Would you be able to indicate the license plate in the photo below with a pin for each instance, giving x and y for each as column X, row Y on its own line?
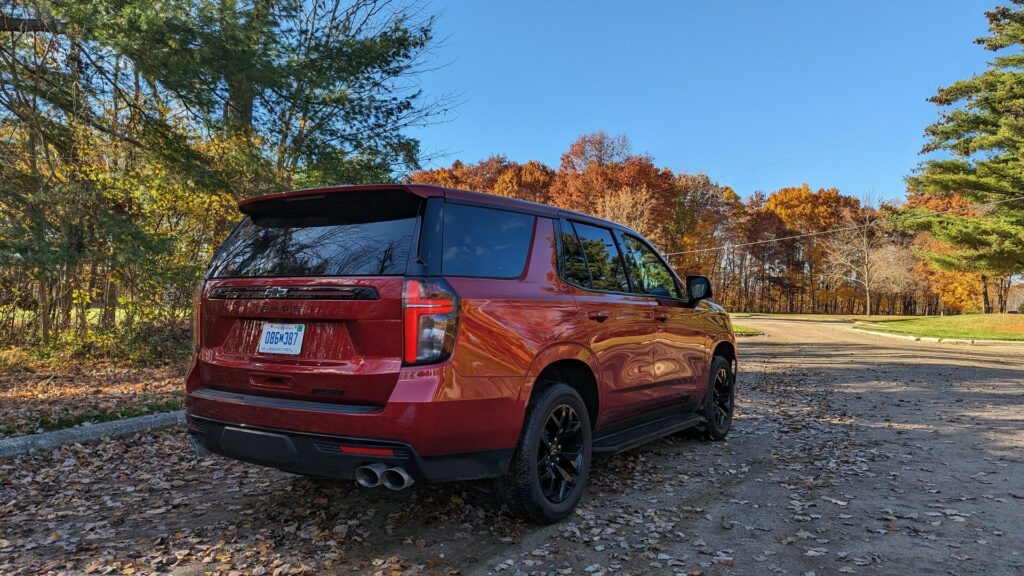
column 281, row 338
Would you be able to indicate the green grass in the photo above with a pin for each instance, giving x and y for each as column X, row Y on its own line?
column 967, row 326
column 835, row 317
column 741, row 330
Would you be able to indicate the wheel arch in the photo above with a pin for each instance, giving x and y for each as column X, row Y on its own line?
column 725, row 349
column 571, row 364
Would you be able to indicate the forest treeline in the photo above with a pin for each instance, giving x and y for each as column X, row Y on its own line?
column 793, row 250
column 129, row 129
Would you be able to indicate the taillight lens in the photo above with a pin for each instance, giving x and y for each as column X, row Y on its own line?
column 431, row 317
column 197, row 309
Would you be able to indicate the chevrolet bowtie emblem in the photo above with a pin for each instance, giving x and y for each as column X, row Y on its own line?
column 276, row 292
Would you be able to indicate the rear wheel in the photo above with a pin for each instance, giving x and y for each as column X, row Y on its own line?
column 719, row 400
column 551, row 465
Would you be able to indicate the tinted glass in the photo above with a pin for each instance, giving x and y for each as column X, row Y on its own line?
column 485, row 242
column 337, row 236
column 649, row 273
column 574, row 267
column 603, row 262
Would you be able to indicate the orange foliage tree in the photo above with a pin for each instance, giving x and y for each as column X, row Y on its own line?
column 706, row 228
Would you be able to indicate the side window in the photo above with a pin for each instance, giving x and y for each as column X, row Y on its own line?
column 648, row 270
column 485, row 242
column 574, row 267
column 603, row 261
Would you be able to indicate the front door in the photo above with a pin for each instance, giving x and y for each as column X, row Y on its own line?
column 678, row 350
column 619, row 323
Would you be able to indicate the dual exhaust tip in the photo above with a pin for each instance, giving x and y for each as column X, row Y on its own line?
column 392, row 477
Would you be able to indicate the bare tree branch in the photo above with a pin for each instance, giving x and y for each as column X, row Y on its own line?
column 14, row 24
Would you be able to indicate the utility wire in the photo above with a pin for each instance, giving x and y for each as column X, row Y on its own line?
column 794, row 237
column 768, row 241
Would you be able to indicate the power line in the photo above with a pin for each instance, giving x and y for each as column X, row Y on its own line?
column 797, row 236
column 769, row 240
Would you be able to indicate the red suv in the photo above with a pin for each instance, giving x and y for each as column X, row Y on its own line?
column 392, row 334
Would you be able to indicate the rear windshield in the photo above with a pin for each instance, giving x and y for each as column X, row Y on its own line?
column 339, row 234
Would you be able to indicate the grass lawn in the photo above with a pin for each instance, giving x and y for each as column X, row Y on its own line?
column 836, row 317
column 967, row 326
column 740, row 330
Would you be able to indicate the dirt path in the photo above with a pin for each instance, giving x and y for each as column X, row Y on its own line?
column 851, row 453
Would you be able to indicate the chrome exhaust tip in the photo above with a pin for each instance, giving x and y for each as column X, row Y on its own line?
column 396, row 478
column 369, row 476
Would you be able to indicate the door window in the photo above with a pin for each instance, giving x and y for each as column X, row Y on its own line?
column 574, row 266
column 601, row 255
column 650, row 275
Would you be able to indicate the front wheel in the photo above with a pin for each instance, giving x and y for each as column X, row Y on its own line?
column 551, row 465
column 720, row 399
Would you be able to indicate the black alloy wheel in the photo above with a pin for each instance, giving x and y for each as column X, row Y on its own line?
column 560, row 453
column 551, row 464
column 720, row 399
column 723, row 398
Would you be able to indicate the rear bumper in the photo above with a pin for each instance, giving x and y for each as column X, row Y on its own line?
column 323, row 456
column 442, row 425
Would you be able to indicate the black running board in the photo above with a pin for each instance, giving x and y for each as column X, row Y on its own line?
column 622, row 440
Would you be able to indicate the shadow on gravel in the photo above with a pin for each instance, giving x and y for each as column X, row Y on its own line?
column 149, row 503
column 965, row 395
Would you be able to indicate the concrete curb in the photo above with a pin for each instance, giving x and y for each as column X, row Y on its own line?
column 11, row 447
column 939, row 340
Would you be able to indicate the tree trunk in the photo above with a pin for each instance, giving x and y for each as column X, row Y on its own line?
column 986, row 305
column 1002, row 293
column 43, row 310
column 109, row 319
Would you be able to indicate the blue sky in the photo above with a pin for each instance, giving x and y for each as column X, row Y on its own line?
column 757, row 94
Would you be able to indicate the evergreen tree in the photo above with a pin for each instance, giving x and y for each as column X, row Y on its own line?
column 981, row 132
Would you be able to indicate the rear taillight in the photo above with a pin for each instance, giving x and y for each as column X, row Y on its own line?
column 431, row 317
column 197, row 310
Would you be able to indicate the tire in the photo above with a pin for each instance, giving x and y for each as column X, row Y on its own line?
column 720, row 399
column 540, row 486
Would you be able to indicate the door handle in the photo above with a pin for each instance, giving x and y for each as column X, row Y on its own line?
column 598, row 315
column 659, row 316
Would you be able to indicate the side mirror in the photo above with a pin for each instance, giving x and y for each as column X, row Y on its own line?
column 698, row 288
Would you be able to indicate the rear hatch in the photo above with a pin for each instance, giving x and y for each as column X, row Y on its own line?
column 304, row 299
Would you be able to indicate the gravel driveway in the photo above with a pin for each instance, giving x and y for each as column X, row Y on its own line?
column 851, row 453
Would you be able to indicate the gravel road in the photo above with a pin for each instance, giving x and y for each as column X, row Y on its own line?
column 851, row 453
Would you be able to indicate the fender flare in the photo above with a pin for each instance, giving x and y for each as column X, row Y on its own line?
column 554, row 353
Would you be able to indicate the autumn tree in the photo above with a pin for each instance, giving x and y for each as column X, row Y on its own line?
column 778, row 253
column 854, row 254
column 530, row 181
column 808, row 212
column 894, row 275
column 598, row 164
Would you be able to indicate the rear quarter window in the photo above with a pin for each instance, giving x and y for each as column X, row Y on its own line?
column 485, row 242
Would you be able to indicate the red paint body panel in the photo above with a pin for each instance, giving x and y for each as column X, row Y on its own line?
column 509, row 330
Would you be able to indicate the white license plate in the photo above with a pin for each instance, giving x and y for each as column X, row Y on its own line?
column 281, row 338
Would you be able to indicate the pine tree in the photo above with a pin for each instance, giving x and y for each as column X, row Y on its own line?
column 981, row 129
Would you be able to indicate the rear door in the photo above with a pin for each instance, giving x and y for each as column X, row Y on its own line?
column 618, row 322
column 678, row 350
column 304, row 300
